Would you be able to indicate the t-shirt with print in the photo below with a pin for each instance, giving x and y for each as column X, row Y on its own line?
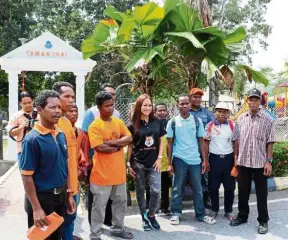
column 65, row 126
column 146, row 141
column 220, row 137
column 108, row 168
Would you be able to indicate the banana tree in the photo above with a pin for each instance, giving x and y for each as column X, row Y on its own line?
column 158, row 43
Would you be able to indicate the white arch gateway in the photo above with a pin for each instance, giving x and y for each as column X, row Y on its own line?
column 44, row 53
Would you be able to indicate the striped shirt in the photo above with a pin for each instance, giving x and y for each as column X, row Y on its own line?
column 253, row 134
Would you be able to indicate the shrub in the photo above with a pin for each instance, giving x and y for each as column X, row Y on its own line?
column 280, row 159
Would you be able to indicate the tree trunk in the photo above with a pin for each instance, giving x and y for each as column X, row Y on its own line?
column 213, row 92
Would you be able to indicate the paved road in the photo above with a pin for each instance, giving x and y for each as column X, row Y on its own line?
column 13, row 220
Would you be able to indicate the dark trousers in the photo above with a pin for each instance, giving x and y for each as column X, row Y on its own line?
column 166, row 183
column 220, row 173
column 108, row 211
column 50, row 203
column 245, row 176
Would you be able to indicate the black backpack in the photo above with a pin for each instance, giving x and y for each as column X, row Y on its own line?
column 174, row 126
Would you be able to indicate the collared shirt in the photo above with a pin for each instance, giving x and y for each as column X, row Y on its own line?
column 204, row 114
column 44, row 156
column 17, row 119
column 253, row 134
column 146, row 141
column 65, row 126
column 220, row 137
column 108, row 168
column 185, row 144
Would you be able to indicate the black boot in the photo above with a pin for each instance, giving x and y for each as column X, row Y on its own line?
column 207, row 200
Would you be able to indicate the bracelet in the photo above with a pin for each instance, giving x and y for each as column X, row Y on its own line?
column 128, row 164
column 160, row 157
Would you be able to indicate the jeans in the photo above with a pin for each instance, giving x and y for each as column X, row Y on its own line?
column 166, row 183
column 153, row 179
column 245, row 176
column 68, row 225
column 181, row 169
column 50, row 203
column 220, row 172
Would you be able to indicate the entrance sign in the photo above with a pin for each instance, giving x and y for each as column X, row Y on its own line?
column 44, row 53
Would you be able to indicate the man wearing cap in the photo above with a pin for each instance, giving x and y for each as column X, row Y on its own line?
column 206, row 116
column 254, row 136
column 218, row 137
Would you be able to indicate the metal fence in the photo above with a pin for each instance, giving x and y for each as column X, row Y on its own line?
column 280, row 115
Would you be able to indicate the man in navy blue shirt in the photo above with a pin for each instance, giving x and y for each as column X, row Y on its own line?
column 206, row 116
column 43, row 165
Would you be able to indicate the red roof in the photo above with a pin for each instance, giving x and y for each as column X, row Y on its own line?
column 284, row 84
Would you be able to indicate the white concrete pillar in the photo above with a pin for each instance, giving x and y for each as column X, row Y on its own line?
column 11, row 152
column 80, row 95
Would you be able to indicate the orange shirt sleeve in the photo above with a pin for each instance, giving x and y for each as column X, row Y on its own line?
column 124, row 130
column 95, row 136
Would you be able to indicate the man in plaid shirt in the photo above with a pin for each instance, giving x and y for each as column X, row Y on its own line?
column 254, row 137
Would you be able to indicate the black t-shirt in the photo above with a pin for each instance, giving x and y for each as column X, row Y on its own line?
column 146, row 141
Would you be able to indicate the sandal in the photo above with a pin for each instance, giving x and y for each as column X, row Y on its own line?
column 213, row 214
column 230, row 216
column 209, row 220
column 123, row 234
column 175, row 220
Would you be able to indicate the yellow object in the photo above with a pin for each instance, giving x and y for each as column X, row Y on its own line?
column 164, row 157
column 241, row 111
column 65, row 126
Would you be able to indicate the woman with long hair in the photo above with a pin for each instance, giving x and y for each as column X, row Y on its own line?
column 145, row 155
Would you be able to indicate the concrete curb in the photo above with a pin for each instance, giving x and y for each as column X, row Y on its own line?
column 8, row 173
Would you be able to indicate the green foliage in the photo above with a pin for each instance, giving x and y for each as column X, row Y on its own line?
column 154, row 40
column 72, row 21
column 250, row 14
column 280, row 159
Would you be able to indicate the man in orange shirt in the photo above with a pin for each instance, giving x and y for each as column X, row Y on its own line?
column 108, row 135
column 67, row 98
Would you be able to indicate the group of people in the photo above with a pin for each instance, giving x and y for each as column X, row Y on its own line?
column 196, row 147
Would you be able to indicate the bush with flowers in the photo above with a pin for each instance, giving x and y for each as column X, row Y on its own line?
column 280, row 159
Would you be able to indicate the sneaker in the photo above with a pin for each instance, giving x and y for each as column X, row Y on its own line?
column 263, row 228
column 152, row 221
column 175, row 220
column 145, row 225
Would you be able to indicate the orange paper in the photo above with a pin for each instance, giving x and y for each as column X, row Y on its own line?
column 41, row 233
column 234, row 172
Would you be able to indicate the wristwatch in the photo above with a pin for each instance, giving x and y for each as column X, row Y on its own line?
column 269, row 159
column 128, row 164
column 69, row 190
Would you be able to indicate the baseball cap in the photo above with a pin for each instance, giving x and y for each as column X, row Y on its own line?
column 254, row 93
column 222, row 105
column 196, row 91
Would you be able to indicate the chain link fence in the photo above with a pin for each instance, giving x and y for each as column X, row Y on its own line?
column 279, row 115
